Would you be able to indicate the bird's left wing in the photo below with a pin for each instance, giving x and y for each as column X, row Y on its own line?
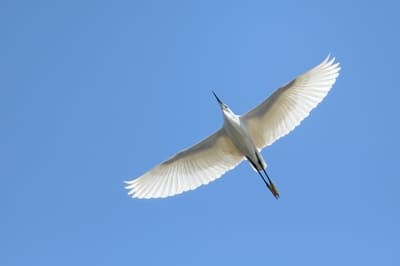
column 290, row 104
column 189, row 169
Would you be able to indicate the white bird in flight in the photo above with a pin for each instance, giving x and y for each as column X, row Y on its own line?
column 241, row 137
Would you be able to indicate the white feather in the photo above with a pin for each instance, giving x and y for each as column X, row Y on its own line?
column 189, row 169
column 290, row 104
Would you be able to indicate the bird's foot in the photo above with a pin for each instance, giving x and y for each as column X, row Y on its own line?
column 273, row 190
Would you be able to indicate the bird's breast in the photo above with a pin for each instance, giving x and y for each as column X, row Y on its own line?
column 240, row 137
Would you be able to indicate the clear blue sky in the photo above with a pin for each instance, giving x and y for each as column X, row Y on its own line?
column 97, row 92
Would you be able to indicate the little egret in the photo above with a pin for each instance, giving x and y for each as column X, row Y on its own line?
column 241, row 137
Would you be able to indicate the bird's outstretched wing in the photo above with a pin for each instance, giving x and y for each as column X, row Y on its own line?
column 290, row 104
column 189, row 169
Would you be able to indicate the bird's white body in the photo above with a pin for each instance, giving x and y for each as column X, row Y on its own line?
column 237, row 131
column 241, row 137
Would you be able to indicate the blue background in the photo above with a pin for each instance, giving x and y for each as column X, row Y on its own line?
column 95, row 92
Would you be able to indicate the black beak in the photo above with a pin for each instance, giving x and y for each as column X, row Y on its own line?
column 220, row 102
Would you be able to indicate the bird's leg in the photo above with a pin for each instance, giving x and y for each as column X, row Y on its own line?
column 271, row 186
column 266, row 183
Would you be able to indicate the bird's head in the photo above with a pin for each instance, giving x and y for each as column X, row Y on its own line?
column 223, row 106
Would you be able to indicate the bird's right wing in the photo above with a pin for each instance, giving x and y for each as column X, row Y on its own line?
column 189, row 169
column 290, row 104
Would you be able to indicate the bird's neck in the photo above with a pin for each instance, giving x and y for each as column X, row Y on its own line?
column 231, row 117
